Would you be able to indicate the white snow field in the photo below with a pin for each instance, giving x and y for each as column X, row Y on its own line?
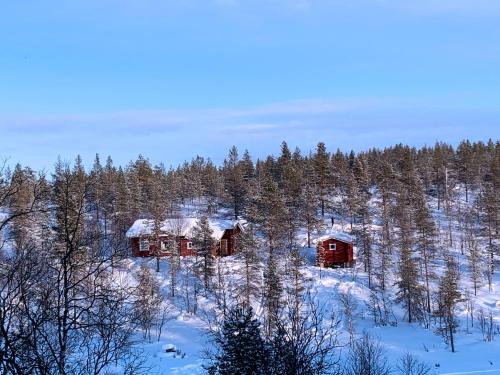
column 473, row 355
column 187, row 333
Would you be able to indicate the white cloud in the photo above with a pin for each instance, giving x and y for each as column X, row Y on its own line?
column 172, row 136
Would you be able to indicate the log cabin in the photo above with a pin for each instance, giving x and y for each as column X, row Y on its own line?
column 335, row 250
column 165, row 245
column 227, row 244
column 175, row 238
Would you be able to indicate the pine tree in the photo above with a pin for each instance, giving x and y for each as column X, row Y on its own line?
column 203, row 241
column 96, row 203
column 362, row 211
column 273, row 293
column 447, row 299
column 157, row 206
column 352, row 197
column 70, row 192
column 322, row 174
column 124, row 214
column 283, row 166
column 425, row 239
column 269, row 213
column 308, row 211
column 465, row 166
column 385, row 181
column 295, row 280
column 339, row 168
column 234, row 182
column 247, row 166
column 22, row 196
column 410, row 292
column 475, row 269
column 240, row 346
column 489, row 201
column 176, row 227
column 212, row 187
column 250, row 273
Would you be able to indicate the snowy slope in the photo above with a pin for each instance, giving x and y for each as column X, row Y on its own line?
column 473, row 356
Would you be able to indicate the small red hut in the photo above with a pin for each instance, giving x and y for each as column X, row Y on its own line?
column 228, row 240
column 335, row 251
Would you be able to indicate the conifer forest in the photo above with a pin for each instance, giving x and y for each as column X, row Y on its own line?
column 420, row 294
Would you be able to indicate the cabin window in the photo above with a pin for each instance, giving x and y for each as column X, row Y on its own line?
column 167, row 245
column 189, row 245
column 143, row 244
column 333, row 246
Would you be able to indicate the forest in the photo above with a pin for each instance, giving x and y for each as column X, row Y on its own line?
column 425, row 224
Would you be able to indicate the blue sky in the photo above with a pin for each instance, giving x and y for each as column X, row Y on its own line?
column 172, row 79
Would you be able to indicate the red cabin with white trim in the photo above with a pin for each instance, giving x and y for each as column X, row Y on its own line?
column 175, row 237
column 147, row 245
column 335, row 251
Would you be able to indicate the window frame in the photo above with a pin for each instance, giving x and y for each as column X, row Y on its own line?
column 334, row 245
column 189, row 245
column 142, row 247
column 170, row 247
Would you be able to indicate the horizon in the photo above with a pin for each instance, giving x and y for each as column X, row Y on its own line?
column 88, row 163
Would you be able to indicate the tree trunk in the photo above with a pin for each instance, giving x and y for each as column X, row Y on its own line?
column 452, row 340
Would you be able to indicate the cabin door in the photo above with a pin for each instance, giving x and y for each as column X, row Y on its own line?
column 223, row 247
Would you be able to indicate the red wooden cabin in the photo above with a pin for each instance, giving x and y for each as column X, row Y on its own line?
column 146, row 246
column 227, row 244
column 334, row 251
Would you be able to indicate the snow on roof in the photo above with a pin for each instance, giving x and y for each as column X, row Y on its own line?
column 242, row 223
column 341, row 236
column 183, row 226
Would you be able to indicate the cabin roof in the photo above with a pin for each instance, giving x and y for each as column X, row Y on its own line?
column 183, row 226
column 339, row 236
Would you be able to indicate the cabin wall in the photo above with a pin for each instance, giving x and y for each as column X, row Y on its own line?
column 182, row 243
column 185, row 251
column 343, row 255
column 134, row 244
column 229, row 235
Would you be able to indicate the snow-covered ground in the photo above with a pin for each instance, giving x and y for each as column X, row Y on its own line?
column 187, row 333
column 473, row 355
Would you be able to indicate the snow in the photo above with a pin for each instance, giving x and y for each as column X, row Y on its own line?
column 184, row 335
column 334, row 234
column 187, row 333
column 184, row 226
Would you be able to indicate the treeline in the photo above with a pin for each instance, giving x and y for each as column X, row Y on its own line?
column 62, row 311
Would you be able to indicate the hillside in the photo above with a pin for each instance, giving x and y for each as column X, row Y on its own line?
column 127, row 270
column 474, row 355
